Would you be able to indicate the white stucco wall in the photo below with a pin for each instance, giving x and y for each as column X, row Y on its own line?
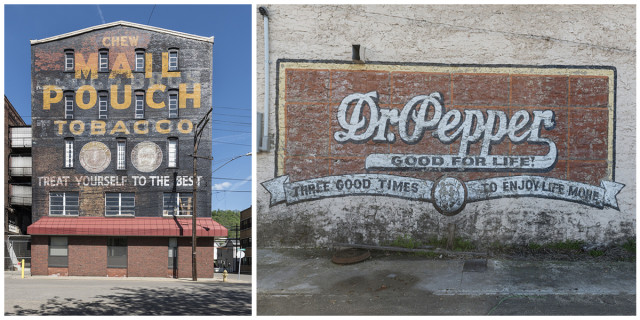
column 458, row 34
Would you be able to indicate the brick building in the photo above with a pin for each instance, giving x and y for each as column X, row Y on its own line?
column 115, row 108
column 245, row 239
column 17, row 185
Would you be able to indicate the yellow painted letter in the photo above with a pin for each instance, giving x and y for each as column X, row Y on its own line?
column 60, row 124
column 80, row 97
column 98, row 127
column 114, row 97
column 165, row 67
column 150, row 91
column 188, row 123
column 148, row 63
column 136, row 127
column 47, row 99
column 163, row 130
column 87, row 68
column 195, row 95
column 121, row 66
column 72, row 127
column 119, row 127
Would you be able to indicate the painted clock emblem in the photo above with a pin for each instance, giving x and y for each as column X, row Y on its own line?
column 146, row 156
column 95, row 156
column 449, row 196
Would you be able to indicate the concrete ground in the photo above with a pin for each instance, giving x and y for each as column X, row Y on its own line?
column 306, row 282
column 50, row 295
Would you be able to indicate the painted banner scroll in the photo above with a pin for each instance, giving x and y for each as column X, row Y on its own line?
column 445, row 134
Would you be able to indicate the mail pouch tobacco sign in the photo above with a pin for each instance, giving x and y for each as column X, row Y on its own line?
column 445, row 134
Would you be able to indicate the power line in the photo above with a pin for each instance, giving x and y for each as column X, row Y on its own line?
column 233, row 122
column 229, row 191
column 231, row 115
column 154, row 7
column 235, row 144
column 229, row 178
column 231, row 130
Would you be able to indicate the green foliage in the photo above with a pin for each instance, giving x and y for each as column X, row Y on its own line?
column 534, row 246
column 462, row 245
column 630, row 245
column 405, row 241
column 596, row 253
column 567, row 245
column 227, row 218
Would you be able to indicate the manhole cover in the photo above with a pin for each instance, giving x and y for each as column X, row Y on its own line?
column 351, row 255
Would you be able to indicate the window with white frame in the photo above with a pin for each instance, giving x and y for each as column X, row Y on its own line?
column 68, row 60
column 58, row 252
column 102, row 105
column 173, row 104
column 103, row 60
column 139, row 60
column 121, row 150
column 139, row 105
column 68, row 105
column 68, row 153
column 120, row 204
column 173, row 59
column 177, row 204
column 172, row 153
column 63, row 203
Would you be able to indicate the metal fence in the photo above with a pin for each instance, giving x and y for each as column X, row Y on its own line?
column 17, row 247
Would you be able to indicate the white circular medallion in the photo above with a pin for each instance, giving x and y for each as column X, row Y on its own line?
column 146, row 156
column 449, row 196
column 95, row 156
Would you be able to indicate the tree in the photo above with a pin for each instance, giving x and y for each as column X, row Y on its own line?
column 227, row 218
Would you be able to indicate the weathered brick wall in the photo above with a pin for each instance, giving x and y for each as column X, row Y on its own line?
column 50, row 127
column 39, row 255
column 594, row 115
column 148, row 257
column 88, row 256
column 204, row 258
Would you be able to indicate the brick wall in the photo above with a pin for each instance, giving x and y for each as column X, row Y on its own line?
column 88, row 256
column 39, row 255
column 204, row 258
column 148, row 257
column 312, row 98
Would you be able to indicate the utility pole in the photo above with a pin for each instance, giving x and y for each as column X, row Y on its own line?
column 196, row 140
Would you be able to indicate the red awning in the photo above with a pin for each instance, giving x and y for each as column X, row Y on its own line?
column 138, row 226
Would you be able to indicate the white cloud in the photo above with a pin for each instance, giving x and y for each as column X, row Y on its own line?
column 221, row 186
column 241, row 183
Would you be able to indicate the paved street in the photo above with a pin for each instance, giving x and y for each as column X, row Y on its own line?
column 42, row 295
column 306, row 282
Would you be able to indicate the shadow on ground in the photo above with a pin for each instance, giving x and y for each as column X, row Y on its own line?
column 199, row 299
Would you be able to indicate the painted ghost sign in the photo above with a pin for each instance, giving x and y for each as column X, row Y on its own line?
column 445, row 134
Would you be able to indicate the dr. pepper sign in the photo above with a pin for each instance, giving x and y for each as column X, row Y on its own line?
column 445, row 134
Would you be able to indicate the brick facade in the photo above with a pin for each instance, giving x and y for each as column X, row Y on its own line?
column 146, row 257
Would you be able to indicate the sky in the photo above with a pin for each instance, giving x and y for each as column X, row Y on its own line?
column 230, row 25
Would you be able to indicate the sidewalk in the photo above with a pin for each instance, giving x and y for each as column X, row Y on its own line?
column 217, row 277
column 413, row 285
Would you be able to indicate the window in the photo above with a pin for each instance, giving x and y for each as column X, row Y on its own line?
column 68, row 153
column 173, row 253
column 120, row 203
column 102, row 105
column 121, row 150
column 58, row 252
column 116, row 252
column 139, row 60
column 68, row 105
column 177, row 204
column 173, row 104
column 103, row 63
column 68, row 60
column 173, row 59
column 63, row 203
column 172, row 152
column 139, row 105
